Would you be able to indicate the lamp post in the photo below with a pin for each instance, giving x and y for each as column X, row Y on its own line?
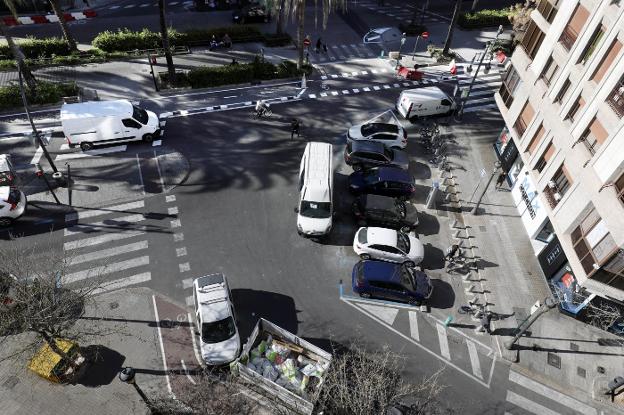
column 126, row 375
column 549, row 304
column 403, row 38
column 488, row 45
column 497, row 164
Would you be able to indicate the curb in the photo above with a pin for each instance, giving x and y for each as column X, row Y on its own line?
column 48, row 18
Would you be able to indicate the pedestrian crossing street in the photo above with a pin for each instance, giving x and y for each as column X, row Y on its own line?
column 144, row 4
column 342, row 52
column 108, row 247
column 404, row 12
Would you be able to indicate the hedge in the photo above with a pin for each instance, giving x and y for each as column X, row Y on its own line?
column 413, row 29
column 39, row 48
column 127, row 40
column 47, row 93
column 275, row 40
column 485, row 18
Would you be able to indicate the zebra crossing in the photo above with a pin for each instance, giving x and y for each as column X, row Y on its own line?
column 142, row 5
column 485, row 86
column 340, row 53
column 107, row 248
column 403, row 13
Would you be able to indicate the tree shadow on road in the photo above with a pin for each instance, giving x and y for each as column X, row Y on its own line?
column 104, row 365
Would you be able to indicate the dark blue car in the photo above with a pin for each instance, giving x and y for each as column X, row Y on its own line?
column 384, row 181
column 389, row 281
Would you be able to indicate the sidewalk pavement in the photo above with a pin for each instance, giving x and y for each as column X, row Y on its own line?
column 560, row 351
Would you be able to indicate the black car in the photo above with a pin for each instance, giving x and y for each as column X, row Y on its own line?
column 364, row 154
column 251, row 14
column 386, row 212
column 384, row 181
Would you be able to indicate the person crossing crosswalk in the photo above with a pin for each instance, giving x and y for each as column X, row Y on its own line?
column 342, row 52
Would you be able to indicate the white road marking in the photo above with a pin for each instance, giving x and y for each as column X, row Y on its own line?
column 396, row 85
column 184, row 267
column 113, row 7
column 177, row 237
column 551, row 393
column 106, row 269
column 37, row 156
column 181, row 252
column 170, row 198
column 356, row 91
column 129, row 6
column 480, row 108
column 91, row 153
column 312, row 96
column 145, row 5
column 376, row 88
column 162, row 182
column 443, row 339
column 387, row 314
column 176, row 223
column 474, row 359
column 184, row 366
column 345, row 92
column 118, row 222
column 162, row 347
column 106, row 253
column 413, row 323
column 70, row 217
column 334, row 93
column 189, row 301
column 172, row 210
column 96, row 240
column 323, row 94
column 173, row 3
column 140, row 175
column 124, row 282
column 366, row 89
column 386, row 86
column 529, row 405
column 187, row 283
column 157, row 143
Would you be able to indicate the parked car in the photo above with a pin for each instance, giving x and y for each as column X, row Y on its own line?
column 12, row 205
column 384, row 181
column 365, row 154
column 390, row 135
column 251, row 14
column 388, row 245
column 215, row 320
column 386, row 212
column 387, row 281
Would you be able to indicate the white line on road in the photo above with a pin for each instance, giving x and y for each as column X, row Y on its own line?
column 124, row 282
column 118, row 222
column 172, row 210
column 529, row 405
column 96, row 240
column 106, row 269
column 162, row 182
column 443, row 339
column 37, row 155
column 114, row 7
column 162, row 347
column 413, row 323
column 106, row 253
column 474, row 359
column 70, row 217
column 140, row 175
column 91, row 153
column 551, row 393
column 189, row 301
column 170, row 198
column 184, row 366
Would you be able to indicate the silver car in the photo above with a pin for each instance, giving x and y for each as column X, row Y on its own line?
column 390, row 135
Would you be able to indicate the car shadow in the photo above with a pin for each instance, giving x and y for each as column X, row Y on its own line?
column 434, row 257
column 443, row 296
column 427, row 224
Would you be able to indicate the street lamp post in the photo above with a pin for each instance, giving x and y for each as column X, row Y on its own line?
column 549, row 304
column 403, row 38
column 127, row 375
column 497, row 164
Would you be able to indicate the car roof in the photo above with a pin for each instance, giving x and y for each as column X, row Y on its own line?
column 319, row 171
column 378, row 201
column 212, row 297
column 382, row 127
column 381, row 271
column 428, row 92
column 394, row 174
column 383, row 236
column 120, row 107
column 368, row 146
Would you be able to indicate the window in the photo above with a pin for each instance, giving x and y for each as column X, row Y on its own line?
column 543, row 161
column 537, row 138
column 574, row 26
column 532, row 39
column 594, row 136
column 580, row 102
column 619, row 187
column 511, row 82
column 594, row 245
column 616, row 98
column 557, row 186
column 606, row 62
column 129, row 122
column 563, row 91
column 524, row 119
column 547, row 10
column 591, row 45
column 549, row 70
column 546, row 234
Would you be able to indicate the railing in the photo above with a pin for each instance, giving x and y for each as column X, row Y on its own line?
column 568, row 37
column 616, row 100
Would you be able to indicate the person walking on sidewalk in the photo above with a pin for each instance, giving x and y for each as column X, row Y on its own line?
column 294, row 128
column 501, row 179
column 227, row 42
column 317, row 49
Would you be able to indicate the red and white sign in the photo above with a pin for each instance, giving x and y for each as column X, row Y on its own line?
column 425, row 35
column 48, row 18
column 500, row 56
column 453, row 67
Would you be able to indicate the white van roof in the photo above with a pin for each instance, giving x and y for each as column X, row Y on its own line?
column 121, row 107
column 318, row 170
column 431, row 92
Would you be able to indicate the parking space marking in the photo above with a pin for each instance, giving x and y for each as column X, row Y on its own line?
column 413, row 323
column 474, row 359
column 387, row 314
column 162, row 348
column 443, row 339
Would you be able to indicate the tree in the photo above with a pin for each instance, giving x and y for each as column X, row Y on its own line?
column 69, row 38
column 164, row 34
column 520, row 18
column 16, row 51
column 279, row 14
column 449, row 35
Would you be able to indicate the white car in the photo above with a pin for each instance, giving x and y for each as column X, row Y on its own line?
column 215, row 320
column 388, row 245
column 12, row 205
column 390, row 135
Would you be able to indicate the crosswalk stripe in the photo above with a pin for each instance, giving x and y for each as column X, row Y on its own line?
column 543, row 390
column 476, row 93
column 91, row 153
column 189, row 301
column 106, row 269
column 480, row 108
column 84, row 214
column 100, row 239
column 124, row 282
column 529, row 405
column 114, row 7
column 129, row 6
column 480, row 100
column 413, row 323
column 106, row 253
column 443, row 339
column 144, row 5
column 474, row 359
column 85, row 228
column 187, row 283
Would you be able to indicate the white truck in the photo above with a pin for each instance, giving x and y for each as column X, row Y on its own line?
column 105, row 122
column 284, row 366
column 416, row 103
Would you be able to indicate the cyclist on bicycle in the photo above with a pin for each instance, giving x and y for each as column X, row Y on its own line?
column 261, row 107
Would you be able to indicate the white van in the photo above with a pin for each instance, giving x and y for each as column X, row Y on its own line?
column 104, row 122
column 422, row 102
column 316, row 185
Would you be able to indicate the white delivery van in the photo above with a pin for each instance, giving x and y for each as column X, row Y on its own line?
column 316, row 185
column 106, row 122
column 422, row 102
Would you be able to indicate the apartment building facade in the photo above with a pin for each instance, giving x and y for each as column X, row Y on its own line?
column 562, row 100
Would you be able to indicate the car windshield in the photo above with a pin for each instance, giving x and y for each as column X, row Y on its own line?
column 407, row 278
column 218, row 331
column 315, row 209
column 362, row 235
column 373, row 128
column 403, row 242
column 139, row 114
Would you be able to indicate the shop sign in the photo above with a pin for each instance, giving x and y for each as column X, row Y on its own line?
column 508, row 157
column 552, row 258
column 528, row 193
